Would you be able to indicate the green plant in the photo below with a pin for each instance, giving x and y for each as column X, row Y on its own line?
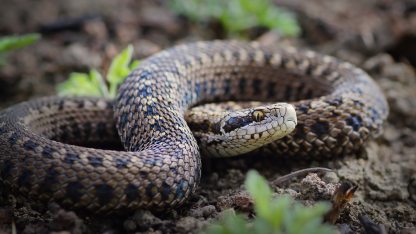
column 93, row 84
column 237, row 16
column 273, row 215
column 10, row 43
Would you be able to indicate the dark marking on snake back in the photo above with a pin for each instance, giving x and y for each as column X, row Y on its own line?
column 236, row 55
column 256, row 86
column 197, row 89
column 183, row 184
column 6, row 169
column 205, row 127
column 358, row 103
column 288, row 93
column 101, row 129
column 271, row 89
column 51, row 179
column 354, row 121
column 87, row 129
column 132, row 192
column 309, row 94
column 374, row 113
column 299, row 131
column 95, row 161
column 199, row 60
column 166, row 190
column 187, row 63
column 64, row 136
column 143, row 174
column 122, row 162
column 2, row 130
column 299, row 89
column 227, row 86
column 213, row 89
column 284, row 62
column 251, row 57
column 335, row 101
column 30, row 145
column 242, row 83
column 76, row 131
column 320, row 128
column 13, row 138
column 24, row 179
column 70, row 158
column 74, row 191
column 303, row 107
column 268, row 57
column 81, row 105
column 61, row 105
column 309, row 70
column 149, row 190
column 47, row 151
column 104, row 193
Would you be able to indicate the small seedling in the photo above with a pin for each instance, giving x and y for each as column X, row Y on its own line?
column 273, row 215
column 93, row 83
column 237, row 16
column 10, row 43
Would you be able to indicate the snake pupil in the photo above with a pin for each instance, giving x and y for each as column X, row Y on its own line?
column 258, row 115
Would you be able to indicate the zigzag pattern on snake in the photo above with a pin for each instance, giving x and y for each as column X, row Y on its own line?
column 338, row 107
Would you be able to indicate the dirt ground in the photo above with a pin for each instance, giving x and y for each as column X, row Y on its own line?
column 379, row 36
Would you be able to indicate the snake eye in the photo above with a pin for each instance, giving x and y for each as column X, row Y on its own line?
column 258, row 115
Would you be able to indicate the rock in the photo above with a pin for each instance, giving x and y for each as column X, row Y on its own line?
column 203, row 212
column 313, row 188
column 66, row 222
column 188, row 225
column 143, row 219
column 330, row 177
column 241, row 201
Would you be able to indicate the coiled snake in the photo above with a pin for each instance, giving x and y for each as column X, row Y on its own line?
column 338, row 107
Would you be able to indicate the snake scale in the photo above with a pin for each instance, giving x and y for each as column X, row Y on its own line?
column 42, row 142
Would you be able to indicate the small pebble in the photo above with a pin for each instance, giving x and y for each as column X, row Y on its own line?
column 188, row 224
column 330, row 177
column 202, row 212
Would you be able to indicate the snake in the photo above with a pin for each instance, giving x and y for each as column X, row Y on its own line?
column 143, row 149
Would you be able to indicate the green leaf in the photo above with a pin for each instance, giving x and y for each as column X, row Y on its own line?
column 281, row 21
column 99, row 82
column 237, row 16
column 79, row 84
column 93, row 84
column 261, row 225
column 134, row 64
column 278, row 209
column 278, row 215
column 15, row 42
column 230, row 224
column 119, row 69
column 305, row 218
column 258, row 188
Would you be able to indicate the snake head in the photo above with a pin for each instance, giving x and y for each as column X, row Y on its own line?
column 242, row 131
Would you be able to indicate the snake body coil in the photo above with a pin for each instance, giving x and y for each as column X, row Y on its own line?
column 338, row 107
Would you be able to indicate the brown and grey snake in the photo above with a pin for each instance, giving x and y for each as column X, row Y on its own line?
column 42, row 154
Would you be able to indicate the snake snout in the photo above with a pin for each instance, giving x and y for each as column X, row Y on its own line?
column 290, row 118
column 291, row 114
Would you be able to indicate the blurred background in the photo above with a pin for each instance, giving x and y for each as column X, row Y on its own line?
column 80, row 35
column 76, row 41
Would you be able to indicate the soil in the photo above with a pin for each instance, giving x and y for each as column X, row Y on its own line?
column 378, row 36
